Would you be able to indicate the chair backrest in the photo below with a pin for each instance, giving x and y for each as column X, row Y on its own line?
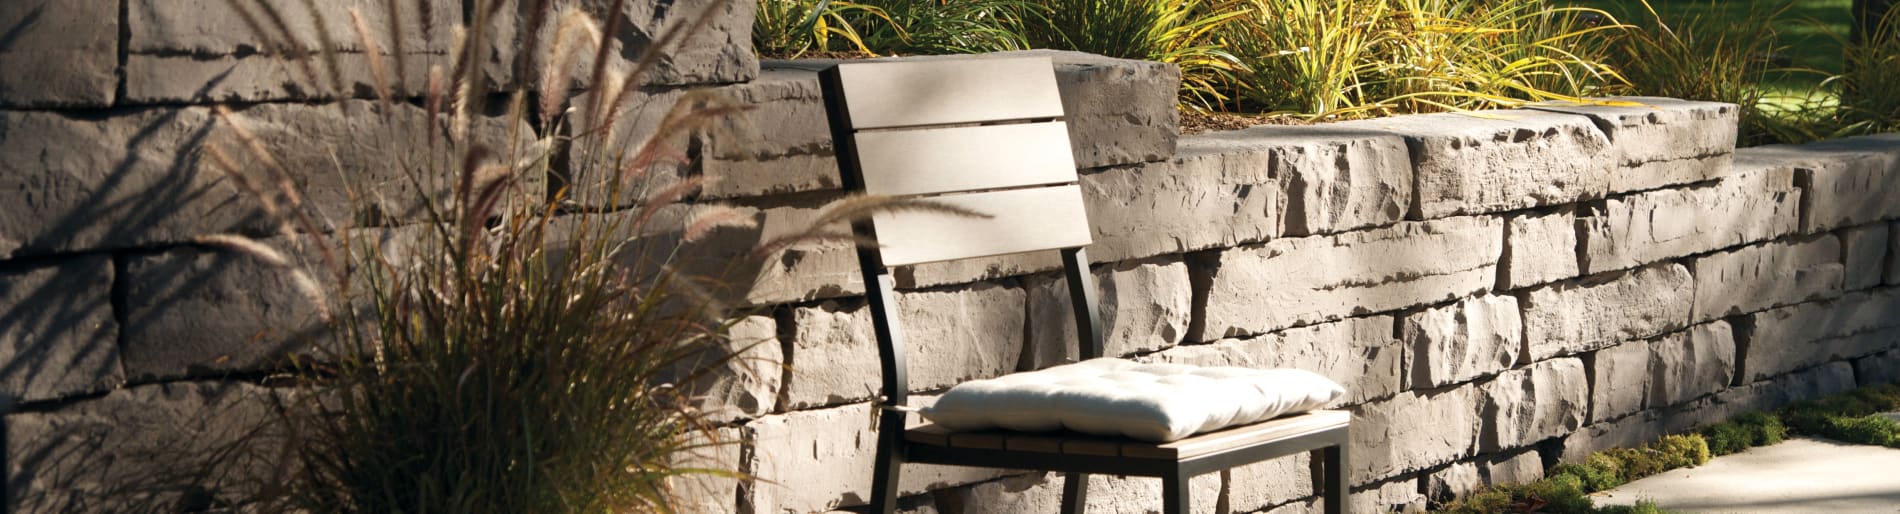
column 983, row 134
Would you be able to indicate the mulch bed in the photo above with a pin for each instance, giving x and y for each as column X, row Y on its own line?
column 1193, row 122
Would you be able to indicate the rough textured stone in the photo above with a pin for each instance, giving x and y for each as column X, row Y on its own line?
column 952, row 336
column 964, row 271
column 59, row 53
column 1581, row 316
column 1764, row 276
column 1203, row 198
column 720, row 51
column 1290, row 282
column 1522, row 468
column 1400, row 496
column 1629, row 432
column 181, row 446
column 58, row 336
column 818, row 460
column 1686, row 368
column 1879, row 368
column 1620, row 378
column 1866, row 251
column 1529, row 405
column 706, row 493
column 1279, row 481
column 1893, row 255
column 1335, row 180
column 204, row 50
column 1658, row 225
column 206, row 311
column 808, row 271
column 1812, row 383
column 1358, row 353
column 1144, row 307
column 1539, row 249
column 1804, row 335
column 741, row 376
column 1118, row 111
column 1042, row 492
column 1474, row 338
column 1845, row 180
column 139, row 177
column 1458, row 480
column 1413, row 431
column 1499, row 160
column 1664, row 141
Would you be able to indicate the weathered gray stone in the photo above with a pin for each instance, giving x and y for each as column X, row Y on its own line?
column 818, row 460
column 1893, row 255
column 1291, row 282
column 1876, row 369
column 1522, row 468
column 203, row 50
column 1042, row 492
column 1358, row 353
column 1532, row 404
column 1628, row 432
column 58, row 336
column 1474, row 338
column 964, row 271
column 708, row 493
column 1804, row 335
column 809, row 271
column 1452, row 482
column 1399, row 496
column 205, row 311
column 180, row 446
column 741, row 375
column 1662, row 142
column 1844, row 180
column 1764, row 276
column 1203, row 198
column 1279, row 481
column 719, row 51
column 1812, row 383
column 140, row 177
column 1620, row 378
column 59, row 53
column 1686, row 368
column 1539, row 249
column 1574, row 317
column 1866, row 252
column 1499, row 160
column 953, row 336
column 1658, row 225
column 1144, row 307
column 1413, row 431
column 1335, row 180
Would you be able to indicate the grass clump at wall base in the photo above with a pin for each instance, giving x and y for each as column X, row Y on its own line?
column 1851, row 417
column 1559, row 494
column 1745, row 431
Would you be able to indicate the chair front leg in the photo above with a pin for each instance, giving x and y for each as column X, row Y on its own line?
column 1333, row 459
column 890, row 463
column 1075, row 493
column 1174, row 494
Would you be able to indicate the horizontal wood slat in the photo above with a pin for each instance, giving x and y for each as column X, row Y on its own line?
column 946, row 91
column 1079, row 444
column 1021, row 220
column 944, row 160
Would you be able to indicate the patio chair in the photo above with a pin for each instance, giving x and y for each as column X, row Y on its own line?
column 988, row 135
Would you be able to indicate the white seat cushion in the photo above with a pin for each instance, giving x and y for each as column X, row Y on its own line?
column 1117, row 397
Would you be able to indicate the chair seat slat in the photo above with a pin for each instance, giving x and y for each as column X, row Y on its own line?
column 952, row 159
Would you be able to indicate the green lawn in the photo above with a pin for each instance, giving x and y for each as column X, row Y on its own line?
column 1810, row 33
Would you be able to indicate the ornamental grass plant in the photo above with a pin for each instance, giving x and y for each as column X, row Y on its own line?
column 521, row 343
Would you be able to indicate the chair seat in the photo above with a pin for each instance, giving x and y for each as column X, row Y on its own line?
column 1065, row 443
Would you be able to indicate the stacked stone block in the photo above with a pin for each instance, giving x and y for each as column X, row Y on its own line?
column 1496, row 291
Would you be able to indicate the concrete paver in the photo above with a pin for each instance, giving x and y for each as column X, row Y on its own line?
column 1800, row 475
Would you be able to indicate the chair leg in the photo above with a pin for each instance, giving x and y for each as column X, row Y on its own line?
column 1333, row 459
column 1075, row 493
column 889, row 465
column 1174, row 494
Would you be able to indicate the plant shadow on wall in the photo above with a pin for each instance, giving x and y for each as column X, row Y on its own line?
column 525, row 317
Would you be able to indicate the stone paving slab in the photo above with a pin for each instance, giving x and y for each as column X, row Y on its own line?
column 1801, row 475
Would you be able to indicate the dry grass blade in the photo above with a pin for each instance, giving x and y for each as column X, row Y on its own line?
column 575, row 28
column 666, row 197
column 378, row 70
column 704, row 222
column 776, row 245
column 864, row 206
column 270, row 256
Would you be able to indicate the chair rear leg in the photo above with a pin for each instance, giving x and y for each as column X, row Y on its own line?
column 1333, row 459
column 1174, row 494
column 1075, row 493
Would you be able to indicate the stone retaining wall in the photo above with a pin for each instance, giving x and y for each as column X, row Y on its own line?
column 1498, row 290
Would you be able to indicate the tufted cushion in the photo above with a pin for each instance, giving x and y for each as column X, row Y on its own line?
column 1116, row 397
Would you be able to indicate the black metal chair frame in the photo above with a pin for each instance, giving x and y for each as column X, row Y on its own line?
column 894, row 449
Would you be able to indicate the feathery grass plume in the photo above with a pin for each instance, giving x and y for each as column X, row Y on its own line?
column 433, row 101
column 393, row 10
column 326, row 47
column 704, row 222
column 574, row 29
column 464, row 101
column 286, row 186
column 377, row 68
column 668, row 196
column 603, row 44
column 530, row 40
column 270, row 256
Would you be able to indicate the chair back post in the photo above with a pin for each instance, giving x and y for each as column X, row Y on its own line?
column 1083, row 298
column 879, row 288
